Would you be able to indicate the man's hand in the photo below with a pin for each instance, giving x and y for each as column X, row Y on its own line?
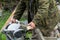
column 31, row 25
column 13, row 20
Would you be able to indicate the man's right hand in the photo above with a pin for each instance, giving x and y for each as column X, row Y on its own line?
column 13, row 20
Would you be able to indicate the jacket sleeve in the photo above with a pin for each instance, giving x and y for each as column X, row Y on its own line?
column 42, row 12
column 21, row 8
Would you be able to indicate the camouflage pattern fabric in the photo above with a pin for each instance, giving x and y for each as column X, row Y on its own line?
column 47, row 16
column 30, row 5
column 44, row 14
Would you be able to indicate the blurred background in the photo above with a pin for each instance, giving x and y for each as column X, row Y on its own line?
column 6, row 8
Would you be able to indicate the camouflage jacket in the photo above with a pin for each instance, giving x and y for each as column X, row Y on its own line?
column 45, row 14
column 29, row 5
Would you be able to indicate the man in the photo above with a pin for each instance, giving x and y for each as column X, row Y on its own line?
column 43, row 14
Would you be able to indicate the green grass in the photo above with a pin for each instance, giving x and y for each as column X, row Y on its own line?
column 3, row 19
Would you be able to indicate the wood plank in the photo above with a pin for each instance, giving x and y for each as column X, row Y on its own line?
column 50, row 38
column 40, row 36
